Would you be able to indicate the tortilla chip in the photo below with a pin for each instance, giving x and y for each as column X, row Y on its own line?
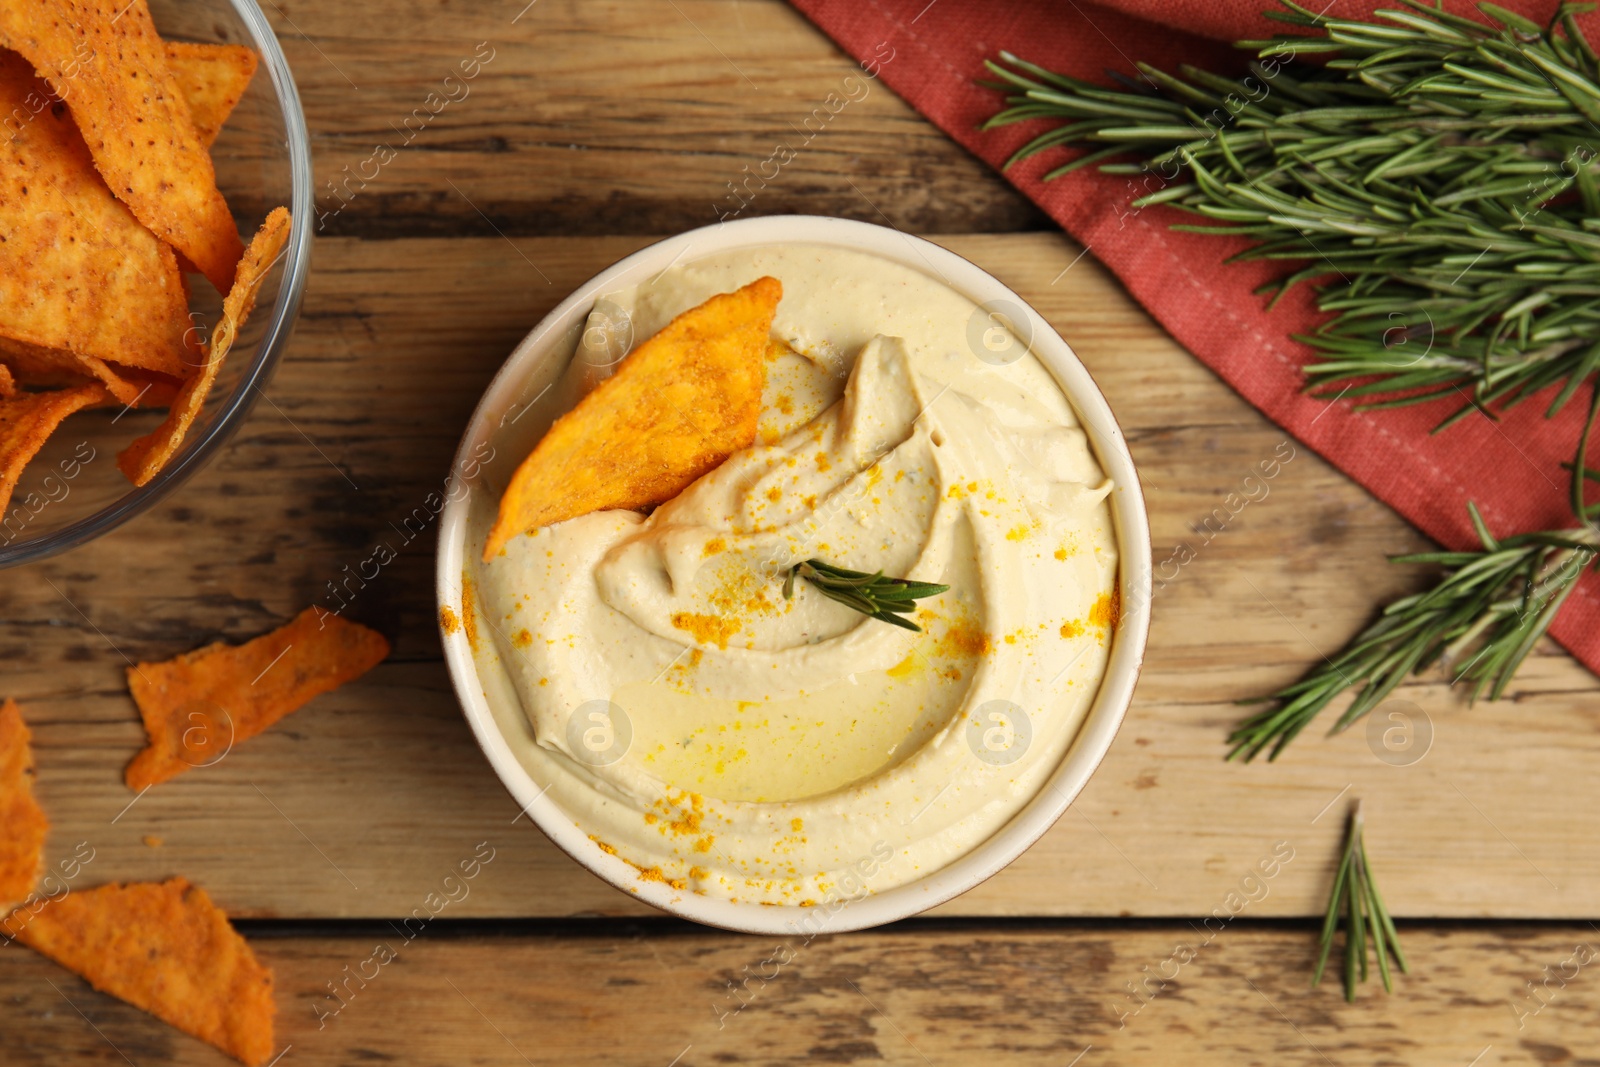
column 22, row 822
column 164, row 948
column 153, row 390
column 105, row 59
column 50, row 368
column 150, row 390
column 211, row 78
column 78, row 272
column 8, row 384
column 141, row 460
column 27, row 420
column 678, row 405
column 197, row 706
column 32, row 365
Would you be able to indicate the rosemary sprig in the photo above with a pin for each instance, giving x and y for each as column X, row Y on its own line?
column 885, row 599
column 1438, row 178
column 1356, row 900
column 1483, row 616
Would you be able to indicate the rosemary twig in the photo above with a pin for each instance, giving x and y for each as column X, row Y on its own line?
column 1439, row 178
column 885, row 599
column 1356, row 900
column 1483, row 617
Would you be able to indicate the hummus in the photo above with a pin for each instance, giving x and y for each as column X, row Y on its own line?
column 728, row 741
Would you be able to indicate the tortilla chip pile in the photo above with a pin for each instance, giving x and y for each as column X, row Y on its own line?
column 678, row 405
column 165, row 947
column 107, row 195
column 106, row 61
column 198, row 704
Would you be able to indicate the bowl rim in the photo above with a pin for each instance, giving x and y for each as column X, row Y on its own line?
column 1100, row 724
column 280, row 323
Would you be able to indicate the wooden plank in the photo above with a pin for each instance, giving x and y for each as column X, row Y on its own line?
column 620, row 116
column 912, row 995
column 357, row 805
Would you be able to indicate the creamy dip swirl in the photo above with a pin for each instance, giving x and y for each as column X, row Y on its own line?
column 726, row 741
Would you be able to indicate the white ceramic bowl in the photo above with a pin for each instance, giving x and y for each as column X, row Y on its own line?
column 533, row 365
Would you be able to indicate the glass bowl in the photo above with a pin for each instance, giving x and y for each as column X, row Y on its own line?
column 72, row 491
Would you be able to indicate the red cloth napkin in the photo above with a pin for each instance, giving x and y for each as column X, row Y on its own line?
column 932, row 55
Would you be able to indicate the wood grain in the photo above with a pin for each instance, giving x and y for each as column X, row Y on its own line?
column 619, row 993
column 617, row 116
column 587, row 118
column 356, row 805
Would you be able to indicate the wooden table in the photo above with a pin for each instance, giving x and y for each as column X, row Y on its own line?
column 594, row 127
